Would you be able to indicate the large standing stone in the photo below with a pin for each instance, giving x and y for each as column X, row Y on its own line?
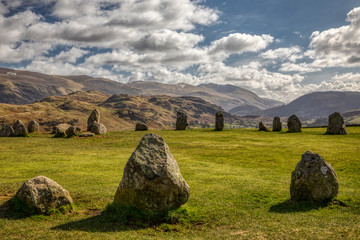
column 181, row 121
column 33, row 126
column 294, row 124
column 277, row 126
column 43, row 194
column 6, row 131
column 263, row 127
column 219, row 121
column 336, row 124
column 152, row 178
column 19, row 129
column 73, row 131
column 313, row 179
column 141, row 127
column 98, row 129
column 93, row 118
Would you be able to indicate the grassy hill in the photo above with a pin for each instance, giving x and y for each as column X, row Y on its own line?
column 239, row 182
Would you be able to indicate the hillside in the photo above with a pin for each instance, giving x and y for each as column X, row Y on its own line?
column 24, row 87
column 118, row 112
column 318, row 105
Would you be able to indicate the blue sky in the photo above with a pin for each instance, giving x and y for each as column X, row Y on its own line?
column 279, row 49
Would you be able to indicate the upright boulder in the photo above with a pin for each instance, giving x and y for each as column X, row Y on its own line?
column 6, row 131
column 43, row 194
column 181, row 121
column 141, row 127
column 313, row 179
column 93, row 118
column 277, row 126
column 294, row 124
column 219, row 121
column 152, row 178
column 336, row 125
column 98, row 129
column 33, row 126
column 72, row 131
column 19, row 129
column 263, row 127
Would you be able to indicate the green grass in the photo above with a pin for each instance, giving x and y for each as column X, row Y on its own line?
column 239, row 182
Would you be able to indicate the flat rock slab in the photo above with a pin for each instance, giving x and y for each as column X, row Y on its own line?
column 87, row 135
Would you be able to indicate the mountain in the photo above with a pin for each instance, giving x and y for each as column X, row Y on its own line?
column 118, row 112
column 318, row 105
column 23, row 87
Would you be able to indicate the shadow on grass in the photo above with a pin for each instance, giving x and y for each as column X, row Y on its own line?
column 9, row 210
column 117, row 218
column 291, row 206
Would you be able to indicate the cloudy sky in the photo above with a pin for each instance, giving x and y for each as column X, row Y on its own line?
column 279, row 49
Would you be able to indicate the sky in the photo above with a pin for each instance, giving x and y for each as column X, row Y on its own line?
column 279, row 49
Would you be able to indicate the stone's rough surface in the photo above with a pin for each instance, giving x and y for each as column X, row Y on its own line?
column 73, row 131
column 277, row 126
column 336, row 124
column 313, row 179
column 63, row 126
column 86, row 135
column 6, row 131
column 19, row 129
column 59, row 132
column 181, row 121
column 93, row 118
column 152, row 178
column 263, row 127
column 219, row 121
column 43, row 194
column 294, row 124
column 141, row 127
column 98, row 129
column 33, row 127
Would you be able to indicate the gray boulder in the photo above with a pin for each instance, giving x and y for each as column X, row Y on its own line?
column 152, row 178
column 336, row 125
column 59, row 132
column 263, row 127
column 43, row 194
column 294, row 124
column 72, row 131
column 141, row 127
column 98, row 129
column 181, row 121
column 219, row 121
column 93, row 118
column 277, row 126
column 6, row 131
column 313, row 179
column 19, row 129
column 33, row 126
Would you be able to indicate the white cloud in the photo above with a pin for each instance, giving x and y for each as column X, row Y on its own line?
column 300, row 67
column 282, row 54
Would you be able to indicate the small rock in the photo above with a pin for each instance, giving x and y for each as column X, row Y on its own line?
column 294, row 124
column 277, row 125
column 6, row 131
column 152, row 178
column 336, row 125
column 313, row 179
column 93, row 118
column 33, row 126
column 19, row 129
column 73, row 131
column 98, row 129
column 181, row 121
column 43, row 194
column 219, row 121
column 87, row 135
column 141, row 127
column 263, row 127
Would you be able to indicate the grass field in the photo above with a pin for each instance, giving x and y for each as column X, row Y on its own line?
column 239, row 182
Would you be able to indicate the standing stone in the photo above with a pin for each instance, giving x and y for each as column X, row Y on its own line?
column 219, row 121
column 59, row 132
column 277, row 126
column 141, row 127
column 93, row 118
column 19, row 129
column 181, row 121
column 43, row 194
column 263, row 127
column 294, row 124
column 98, row 129
column 6, row 131
column 73, row 131
column 313, row 179
column 33, row 127
column 152, row 178
column 336, row 125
